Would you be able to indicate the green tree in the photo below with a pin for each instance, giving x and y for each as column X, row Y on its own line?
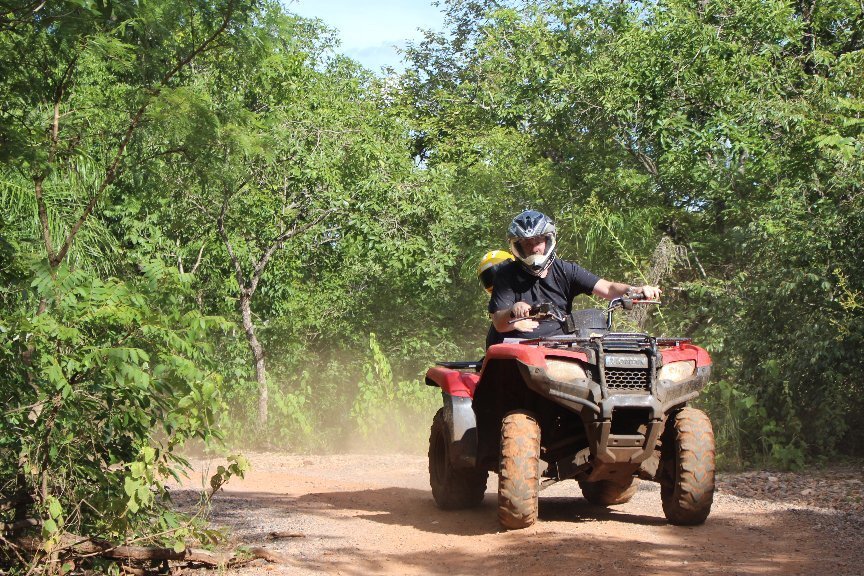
column 105, row 364
column 732, row 127
column 300, row 163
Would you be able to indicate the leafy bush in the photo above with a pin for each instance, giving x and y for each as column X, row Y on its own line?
column 745, row 433
column 386, row 412
column 104, row 381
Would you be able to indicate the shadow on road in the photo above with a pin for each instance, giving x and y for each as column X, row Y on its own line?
column 572, row 536
column 415, row 508
column 563, row 509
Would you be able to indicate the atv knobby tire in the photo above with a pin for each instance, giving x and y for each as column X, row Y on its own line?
column 687, row 481
column 609, row 492
column 452, row 488
column 519, row 472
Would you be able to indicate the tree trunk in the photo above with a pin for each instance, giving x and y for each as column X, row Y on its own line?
column 257, row 354
column 808, row 40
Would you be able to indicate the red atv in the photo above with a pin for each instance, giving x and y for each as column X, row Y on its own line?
column 600, row 407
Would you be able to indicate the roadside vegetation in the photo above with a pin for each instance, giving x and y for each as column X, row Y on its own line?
column 215, row 229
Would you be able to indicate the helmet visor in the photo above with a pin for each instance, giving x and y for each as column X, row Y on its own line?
column 525, row 247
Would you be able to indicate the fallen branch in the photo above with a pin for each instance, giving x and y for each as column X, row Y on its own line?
column 85, row 547
column 19, row 525
column 265, row 554
column 281, row 535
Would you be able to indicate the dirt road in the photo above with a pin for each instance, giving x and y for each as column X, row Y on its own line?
column 353, row 515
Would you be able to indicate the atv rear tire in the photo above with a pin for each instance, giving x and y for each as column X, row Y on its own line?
column 452, row 488
column 519, row 473
column 609, row 492
column 687, row 477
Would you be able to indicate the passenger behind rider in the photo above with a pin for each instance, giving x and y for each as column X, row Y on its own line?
column 537, row 276
column 489, row 266
column 491, row 262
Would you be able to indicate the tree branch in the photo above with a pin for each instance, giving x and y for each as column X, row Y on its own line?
column 220, row 224
column 19, row 525
column 198, row 260
column 59, row 91
column 42, row 209
column 113, row 170
column 258, row 270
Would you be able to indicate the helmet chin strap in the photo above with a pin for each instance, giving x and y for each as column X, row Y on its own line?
column 538, row 270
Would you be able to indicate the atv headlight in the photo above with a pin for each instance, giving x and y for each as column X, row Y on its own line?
column 677, row 371
column 564, row 370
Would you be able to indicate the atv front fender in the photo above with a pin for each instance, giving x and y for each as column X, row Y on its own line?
column 453, row 382
column 457, row 391
column 462, row 425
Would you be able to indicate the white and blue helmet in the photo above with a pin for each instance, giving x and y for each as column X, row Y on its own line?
column 532, row 224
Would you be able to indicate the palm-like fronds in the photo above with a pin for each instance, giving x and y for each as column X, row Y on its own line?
column 66, row 194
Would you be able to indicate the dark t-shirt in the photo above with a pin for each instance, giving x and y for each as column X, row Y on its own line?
column 561, row 285
column 493, row 336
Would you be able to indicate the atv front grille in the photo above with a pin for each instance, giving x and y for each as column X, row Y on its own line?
column 627, row 380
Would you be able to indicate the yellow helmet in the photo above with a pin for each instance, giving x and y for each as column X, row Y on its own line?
column 489, row 267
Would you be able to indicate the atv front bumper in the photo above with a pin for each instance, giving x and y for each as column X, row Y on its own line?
column 622, row 423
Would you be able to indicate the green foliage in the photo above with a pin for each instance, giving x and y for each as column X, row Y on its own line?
column 745, row 433
column 731, row 126
column 106, row 361
column 386, row 411
column 104, row 380
column 165, row 165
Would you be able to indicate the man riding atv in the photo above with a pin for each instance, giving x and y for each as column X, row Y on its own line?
column 569, row 398
column 537, row 276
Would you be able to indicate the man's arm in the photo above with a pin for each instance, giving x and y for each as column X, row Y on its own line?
column 501, row 318
column 503, row 306
column 611, row 290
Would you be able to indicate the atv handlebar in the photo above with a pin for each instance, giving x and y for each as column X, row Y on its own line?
column 542, row 312
column 548, row 310
column 628, row 300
